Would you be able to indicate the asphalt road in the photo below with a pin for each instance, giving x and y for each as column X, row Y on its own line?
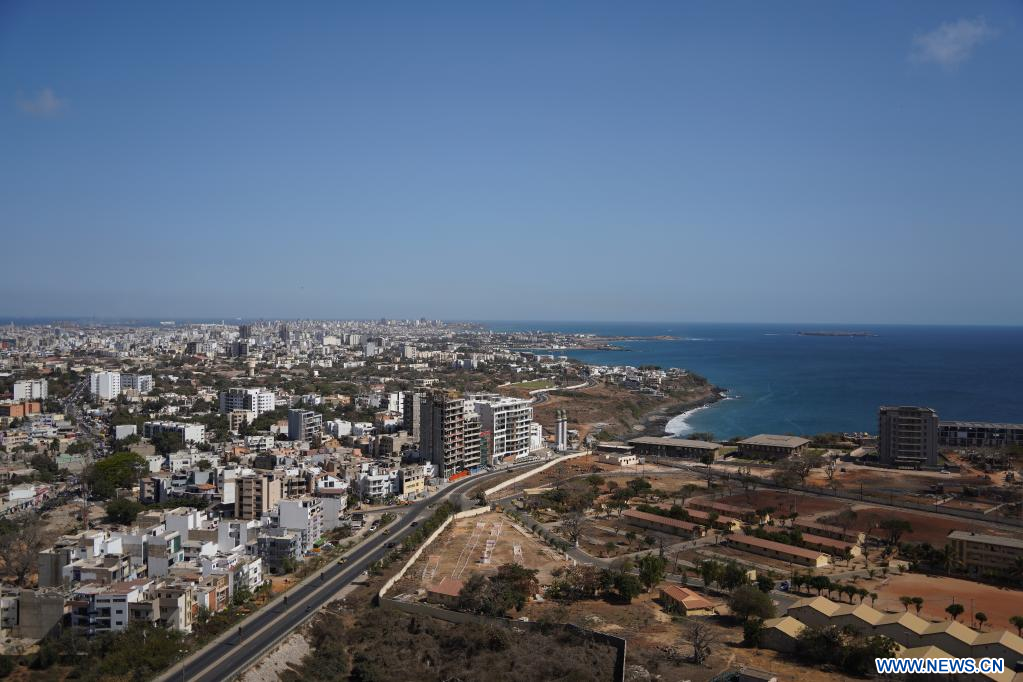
column 226, row 657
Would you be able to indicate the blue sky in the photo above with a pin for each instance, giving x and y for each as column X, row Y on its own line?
column 795, row 161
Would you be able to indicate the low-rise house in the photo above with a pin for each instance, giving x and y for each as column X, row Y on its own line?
column 781, row 634
column 828, row 531
column 664, row 524
column 686, row 602
column 445, row 592
column 778, row 550
column 771, row 446
column 662, row 446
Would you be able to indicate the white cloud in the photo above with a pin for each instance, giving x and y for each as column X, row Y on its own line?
column 952, row 43
column 42, row 104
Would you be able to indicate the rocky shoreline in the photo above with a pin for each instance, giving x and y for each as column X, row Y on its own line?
column 655, row 420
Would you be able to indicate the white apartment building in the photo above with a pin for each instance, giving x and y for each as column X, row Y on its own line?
column 143, row 383
column 303, row 515
column 30, row 389
column 105, row 385
column 509, row 422
column 188, row 433
column 253, row 400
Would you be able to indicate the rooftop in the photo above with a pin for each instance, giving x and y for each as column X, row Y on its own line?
column 771, row 440
column 675, row 442
column 988, row 539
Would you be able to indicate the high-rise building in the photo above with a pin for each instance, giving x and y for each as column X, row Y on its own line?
column 255, row 495
column 304, row 425
column 508, row 422
column 31, row 389
column 908, row 436
column 245, row 331
column 253, row 400
column 449, row 433
column 143, row 383
column 412, row 406
column 105, row 385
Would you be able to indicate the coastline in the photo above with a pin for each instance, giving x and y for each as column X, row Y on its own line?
column 655, row 422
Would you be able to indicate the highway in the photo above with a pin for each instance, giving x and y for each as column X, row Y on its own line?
column 228, row 655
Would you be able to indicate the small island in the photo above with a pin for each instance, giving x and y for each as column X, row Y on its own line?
column 835, row 333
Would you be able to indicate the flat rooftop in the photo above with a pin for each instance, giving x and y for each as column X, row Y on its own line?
column 981, row 425
column 771, row 440
column 987, row 539
column 675, row 442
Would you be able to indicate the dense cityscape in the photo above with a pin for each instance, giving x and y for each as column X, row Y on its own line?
column 252, row 484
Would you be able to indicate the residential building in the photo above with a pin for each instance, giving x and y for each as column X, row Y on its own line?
column 508, row 421
column 413, row 481
column 687, row 602
column 30, row 389
column 991, row 555
column 105, row 385
column 280, row 549
column 304, row 425
column 303, row 516
column 980, row 434
column 663, row 524
column 908, row 437
column 186, row 433
column 449, row 434
column 255, row 495
column 255, row 400
column 143, row 383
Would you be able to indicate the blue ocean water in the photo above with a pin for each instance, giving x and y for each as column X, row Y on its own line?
column 782, row 382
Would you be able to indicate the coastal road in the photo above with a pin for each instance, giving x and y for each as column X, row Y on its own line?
column 235, row 651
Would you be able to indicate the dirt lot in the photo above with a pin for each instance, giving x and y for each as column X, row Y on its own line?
column 783, row 502
column 999, row 604
column 932, row 528
column 480, row 544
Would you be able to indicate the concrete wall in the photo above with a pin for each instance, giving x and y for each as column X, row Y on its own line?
column 429, row 540
column 532, row 472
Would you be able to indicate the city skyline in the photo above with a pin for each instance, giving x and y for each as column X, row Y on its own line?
column 847, row 165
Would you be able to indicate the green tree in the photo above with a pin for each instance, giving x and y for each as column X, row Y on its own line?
column 918, row 603
column 981, row 619
column 954, row 610
column 627, row 586
column 118, row 470
column 123, row 510
column 746, row 601
column 765, row 583
column 895, row 528
column 652, row 569
column 1017, row 622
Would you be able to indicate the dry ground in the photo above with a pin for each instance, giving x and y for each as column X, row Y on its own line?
column 998, row 603
column 460, row 551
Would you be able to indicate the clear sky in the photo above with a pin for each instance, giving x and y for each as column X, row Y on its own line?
column 703, row 161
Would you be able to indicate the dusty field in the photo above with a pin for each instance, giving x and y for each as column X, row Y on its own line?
column 932, row 528
column 999, row 604
column 784, row 503
column 480, row 544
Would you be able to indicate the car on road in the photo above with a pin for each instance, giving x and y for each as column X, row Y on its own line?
column 341, row 561
column 414, row 524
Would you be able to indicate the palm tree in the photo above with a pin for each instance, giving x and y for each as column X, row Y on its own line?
column 955, row 610
column 873, row 598
column 862, row 592
column 949, row 559
column 981, row 619
column 906, row 601
column 918, row 603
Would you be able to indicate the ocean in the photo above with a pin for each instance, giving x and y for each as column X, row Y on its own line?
column 781, row 382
